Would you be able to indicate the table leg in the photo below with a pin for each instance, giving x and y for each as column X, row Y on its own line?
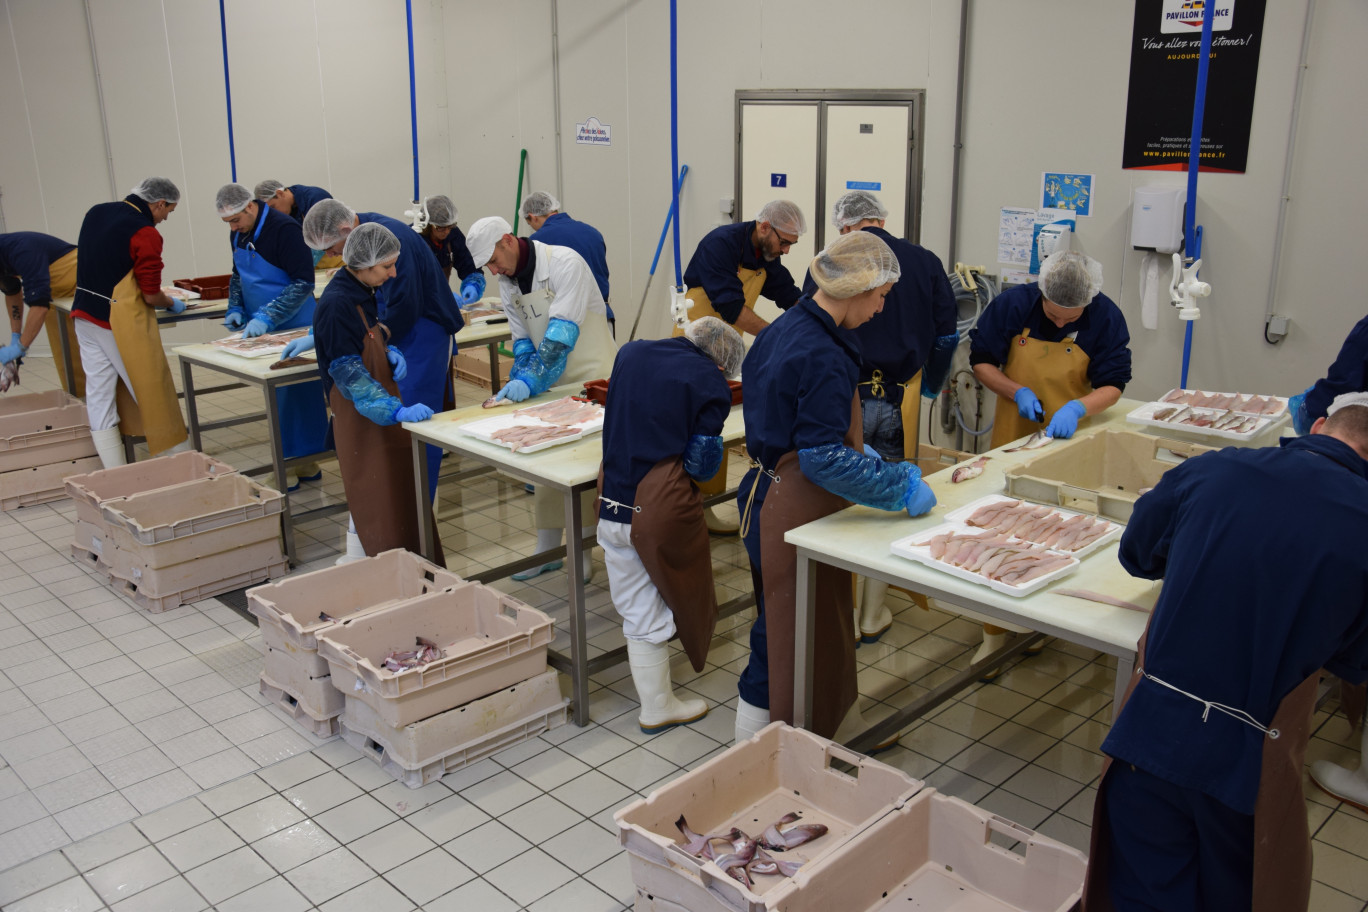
column 574, row 562
column 278, row 462
column 427, row 534
column 191, row 410
column 1125, row 667
column 805, row 628
column 64, row 337
column 494, row 384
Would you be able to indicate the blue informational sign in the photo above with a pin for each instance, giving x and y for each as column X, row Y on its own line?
column 864, row 185
column 778, row 180
column 1064, row 190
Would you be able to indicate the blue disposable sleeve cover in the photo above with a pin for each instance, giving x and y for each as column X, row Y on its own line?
column 938, row 364
column 318, row 255
column 235, row 304
column 361, row 390
column 540, row 369
column 703, row 456
column 286, row 304
column 862, row 479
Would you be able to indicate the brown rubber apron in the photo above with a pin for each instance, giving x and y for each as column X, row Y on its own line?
column 1057, row 372
column 792, row 501
column 156, row 413
column 377, row 461
column 752, row 281
column 671, row 538
column 1282, row 838
column 62, row 275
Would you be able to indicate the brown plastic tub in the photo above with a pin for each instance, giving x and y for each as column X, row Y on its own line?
column 209, row 287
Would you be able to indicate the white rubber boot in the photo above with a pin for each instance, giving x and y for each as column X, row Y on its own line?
column 875, row 616
column 546, row 540
column 588, row 563
column 355, row 551
column 1349, row 786
column 749, row 720
column 660, row 708
column 182, row 447
column 992, row 642
column 717, row 525
column 109, row 444
column 854, row 724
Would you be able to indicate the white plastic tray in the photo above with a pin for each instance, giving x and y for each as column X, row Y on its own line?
column 961, row 516
column 914, row 547
column 1145, row 415
column 1282, row 402
column 489, row 310
column 485, row 428
column 270, row 344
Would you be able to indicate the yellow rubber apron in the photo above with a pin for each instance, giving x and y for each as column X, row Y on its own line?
column 62, row 276
column 1057, row 372
column 156, row 412
column 328, row 262
column 752, row 280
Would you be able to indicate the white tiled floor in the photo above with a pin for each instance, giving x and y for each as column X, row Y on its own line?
column 141, row 770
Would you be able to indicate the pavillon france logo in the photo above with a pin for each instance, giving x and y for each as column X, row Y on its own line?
column 1188, row 15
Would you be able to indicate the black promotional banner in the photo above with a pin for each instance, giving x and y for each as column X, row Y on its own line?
column 1167, row 43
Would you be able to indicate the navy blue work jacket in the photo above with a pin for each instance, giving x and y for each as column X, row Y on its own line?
column 26, row 258
column 454, row 254
column 1349, row 373
column 281, row 243
column 419, row 289
column 337, row 328
column 715, row 261
column 560, row 230
column 305, row 198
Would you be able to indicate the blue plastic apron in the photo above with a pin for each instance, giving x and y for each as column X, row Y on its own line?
column 427, row 350
column 303, row 411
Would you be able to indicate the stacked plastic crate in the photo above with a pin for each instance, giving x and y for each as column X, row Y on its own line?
column 44, row 437
column 177, row 529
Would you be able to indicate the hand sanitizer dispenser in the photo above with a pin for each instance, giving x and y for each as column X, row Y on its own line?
column 1157, row 219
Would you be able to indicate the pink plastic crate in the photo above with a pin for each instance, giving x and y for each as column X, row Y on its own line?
column 92, row 491
column 42, row 428
column 40, row 484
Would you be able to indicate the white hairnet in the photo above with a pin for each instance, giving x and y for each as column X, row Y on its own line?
column 854, row 263
column 369, row 244
column 267, row 189
column 718, row 341
column 784, row 216
column 1345, row 400
column 232, row 199
column 441, row 211
column 157, row 188
column 327, row 223
column 482, row 237
column 539, row 203
column 856, row 206
column 1070, row 279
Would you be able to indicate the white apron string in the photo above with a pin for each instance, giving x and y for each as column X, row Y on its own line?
column 1237, row 714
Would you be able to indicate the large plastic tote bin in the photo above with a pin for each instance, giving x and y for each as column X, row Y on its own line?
column 41, row 484
column 91, row 492
column 42, row 428
column 194, row 520
column 491, row 641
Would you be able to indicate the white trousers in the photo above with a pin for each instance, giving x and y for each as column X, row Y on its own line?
column 104, row 368
column 645, row 616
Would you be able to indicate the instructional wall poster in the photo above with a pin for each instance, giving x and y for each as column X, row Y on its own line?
column 1165, row 48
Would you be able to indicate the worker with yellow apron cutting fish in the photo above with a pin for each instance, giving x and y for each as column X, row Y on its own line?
column 34, row 269
column 1054, row 352
column 118, row 289
column 559, row 325
column 730, row 269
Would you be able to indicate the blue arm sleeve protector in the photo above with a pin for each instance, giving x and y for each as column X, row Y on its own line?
column 937, row 366
column 235, row 304
column 285, row 305
column 703, row 456
column 476, row 279
column 362, row 390
column 865, row 480
column 542, row 367
column 317, row 255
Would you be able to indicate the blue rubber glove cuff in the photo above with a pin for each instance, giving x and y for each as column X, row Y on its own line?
column 361, row 389
column 703, row 456
column 1065, row 421
column 14, row 338
column 298, row 346
column 541, row 369
column 1028, row 404
column 514, row 391
column 920, row 499
column 937, row 366
column 856, row 477
column 286, row 304
column 398, row 366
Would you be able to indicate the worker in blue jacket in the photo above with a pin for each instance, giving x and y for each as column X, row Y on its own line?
column 271, row 290
column 34, row 269
column 808, row 461
column 295, row 201
column 360, row 372
column 449, row 244
column 662, row 430
column 1348, row 374
column 1202, row 805
column 541, row 210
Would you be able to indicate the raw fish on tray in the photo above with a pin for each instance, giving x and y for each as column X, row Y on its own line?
column 568, row 410
column 267, row 343
column 520, row 437
column 1254, row 405
column 972, row 470
column 1040, row 524
column 996, row 557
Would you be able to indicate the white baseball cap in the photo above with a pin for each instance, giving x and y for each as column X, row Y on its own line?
column 482, row 237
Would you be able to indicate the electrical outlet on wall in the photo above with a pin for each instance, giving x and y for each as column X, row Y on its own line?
column 1277, row 326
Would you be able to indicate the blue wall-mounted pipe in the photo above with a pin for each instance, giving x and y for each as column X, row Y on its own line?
column 1192, row 233
column 413, row 99
column 674, row 137
column 227, row 91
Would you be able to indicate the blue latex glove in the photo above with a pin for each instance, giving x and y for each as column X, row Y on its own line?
column 233, row 320
column 1065, row 421
column 870, row 451
column 398, row 366
column 177, row 306
column 14, row 338
column 12, row 352
column 1028, row 405
column 514, row 391
column 256, row 328
column 471, row 288
column 920, row 499
column 417, row 412
column 297, row 347
column 1301, row 421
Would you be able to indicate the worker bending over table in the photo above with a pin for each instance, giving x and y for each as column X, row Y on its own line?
column 272, row 289
column 804, row 437
column 662, row 430
column 913, row 338
column 34, row 269
column 1054, row 351
column 549, row 225
column 559, row 327
column 1201, row 804
column 118, row 287
column 360, row 372
column 1348, row 374
column 449, row 246
column 295, row 201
